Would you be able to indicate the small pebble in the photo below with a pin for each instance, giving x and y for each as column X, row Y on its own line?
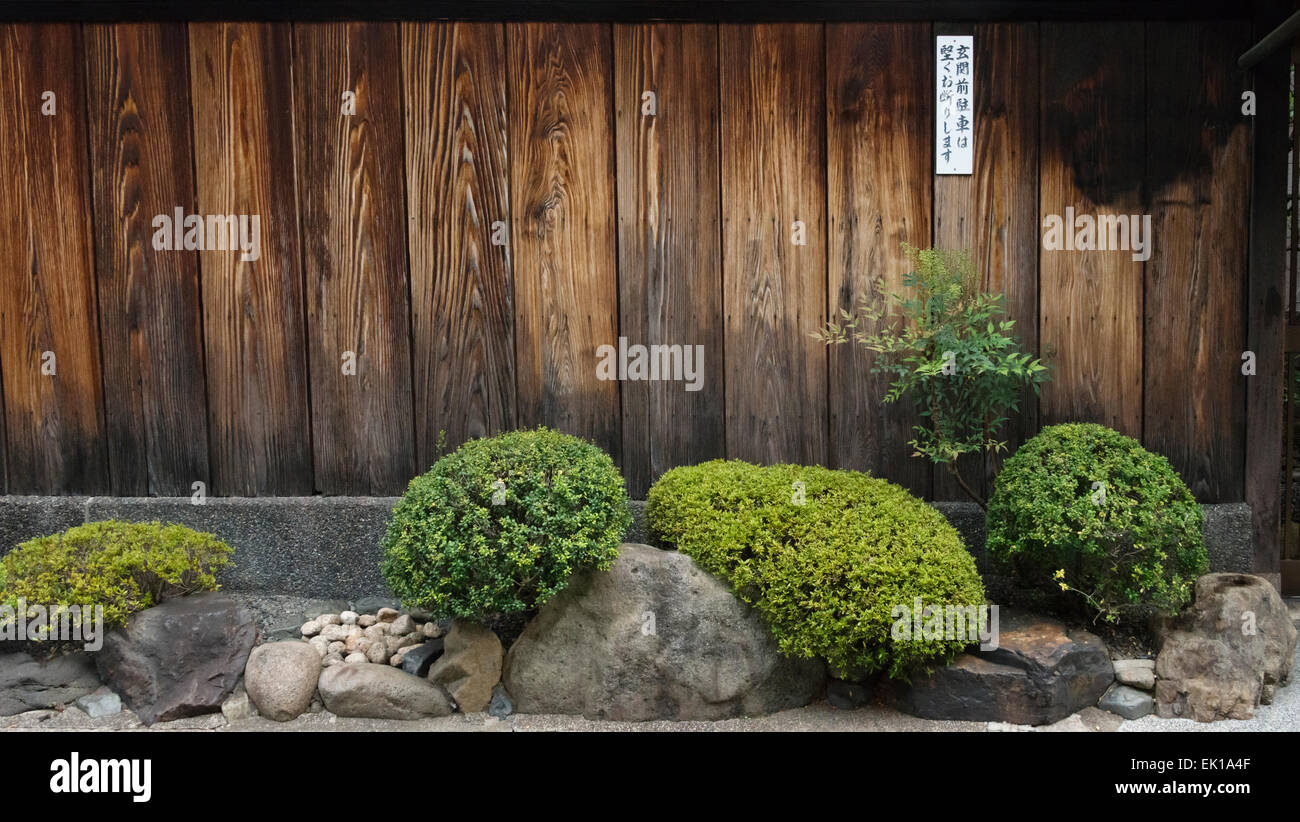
column 328, row 619
column 387, row 614
column 355, row 657
column 348, row 617
column 366, row 620
column 311, row 628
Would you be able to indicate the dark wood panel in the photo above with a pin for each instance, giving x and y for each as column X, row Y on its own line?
column 143, row 166
column 1093, row 147
column 993, row 212
column 670, row 276
column 773, row 174
column 54, row 422
column 352, row 209
column 563, row 206
column 457, row 188
column 252, row 309
column 1198, row 179
column 1267, row 303
column 879, row 80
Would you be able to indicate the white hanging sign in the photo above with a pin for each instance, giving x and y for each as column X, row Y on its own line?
column 954, row 110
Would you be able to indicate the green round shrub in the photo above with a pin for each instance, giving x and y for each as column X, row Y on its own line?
column 123, row 566
column 1083, row 508
column 826, row 557
column 501, row 524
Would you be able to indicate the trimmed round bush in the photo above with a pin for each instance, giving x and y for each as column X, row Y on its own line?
column 826, row 557
column 1083, row 508
column 123, row 566
column 500, row 525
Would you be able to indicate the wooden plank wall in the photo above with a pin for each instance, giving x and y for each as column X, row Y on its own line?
column 466, row 212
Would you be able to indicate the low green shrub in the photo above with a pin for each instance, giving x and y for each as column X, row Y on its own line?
column 1083, row 508
column 826, row 557
column 501, row 524
column 123, row 566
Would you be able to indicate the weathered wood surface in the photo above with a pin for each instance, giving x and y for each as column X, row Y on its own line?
column 879, row 94
column 1092, row 150
column 142, row 165
column 54, row 422
column 499, row 207
column 457, row 189
column 1198, row 179
column 258, row 419
column 351, row 207
column 994, row 211
column 670, row 288
column 563, row 226
column 773, row 125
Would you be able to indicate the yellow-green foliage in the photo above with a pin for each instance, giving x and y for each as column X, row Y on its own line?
column 124, row 567
column 827, row 573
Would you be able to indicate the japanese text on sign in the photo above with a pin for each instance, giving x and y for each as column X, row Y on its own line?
column 954, row 115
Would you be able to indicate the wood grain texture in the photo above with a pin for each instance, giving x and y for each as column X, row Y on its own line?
column 773, row 174
column 1267, row 304
column 563, row 226
column 670, row 277
column 54, row 424
column 993, row 212
column 1198, row 175
column 1093, row 146
column 142, row 166
column 253, row 309
column 457, row 186
column 879, row 92
column 352, row 204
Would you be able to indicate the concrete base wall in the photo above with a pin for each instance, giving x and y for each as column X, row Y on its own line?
column 328, row 547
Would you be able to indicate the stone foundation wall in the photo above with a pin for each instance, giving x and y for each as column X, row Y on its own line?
column 329, row 546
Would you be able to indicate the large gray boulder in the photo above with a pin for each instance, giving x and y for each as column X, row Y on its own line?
column 27, row 684
column 655, row 637
column 380, row 692
column 1226, row 652
column 281, row 678
column 181, row 658
column 1040, row 673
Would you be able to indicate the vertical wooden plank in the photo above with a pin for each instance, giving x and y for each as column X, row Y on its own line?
column 670, row 284
column 1198, row 179
column 773, row 174
column 1092, row 162
column 457, row 187
column 143, row 166
column 1267, row 302
column 879, row 92
column 54, row 422
column 563, row 206
column 352, row 204
column 252, row 309
column 994, row 211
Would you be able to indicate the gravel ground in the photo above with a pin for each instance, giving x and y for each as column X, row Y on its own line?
column 1282, row 715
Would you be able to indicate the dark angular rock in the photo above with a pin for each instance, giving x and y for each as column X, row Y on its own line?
column 502, row 705
column 1127, row 702
column 181, row 658
column 27, row 685
column 371, row 605
column 417, row 660
column 1040, row 673
column 847, row 696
